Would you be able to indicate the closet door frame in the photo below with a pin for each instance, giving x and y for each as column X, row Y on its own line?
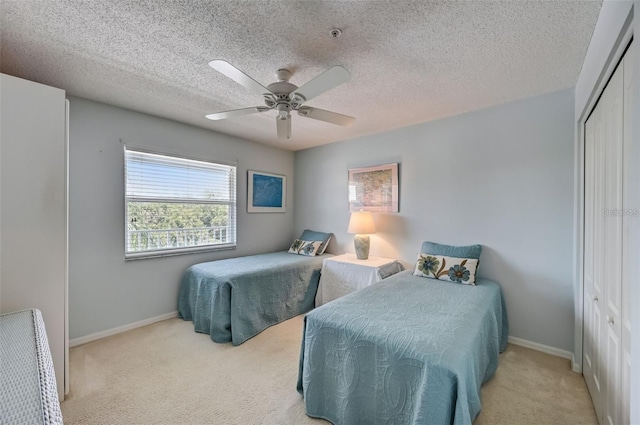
column 629, row 203
column 608, row 53
column 614, row 58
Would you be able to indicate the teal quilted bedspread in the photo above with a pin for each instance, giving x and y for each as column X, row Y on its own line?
column 407, row 350
column 236, row 299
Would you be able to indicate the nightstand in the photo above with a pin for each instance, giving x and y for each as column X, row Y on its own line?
column 344, row 274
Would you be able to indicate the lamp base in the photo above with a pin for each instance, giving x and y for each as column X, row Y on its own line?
column 362, row 244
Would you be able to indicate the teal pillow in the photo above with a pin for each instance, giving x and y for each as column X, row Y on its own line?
column 311, row 235
column 469, row 251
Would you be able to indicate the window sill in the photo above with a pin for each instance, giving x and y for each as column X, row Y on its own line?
column 178, row 251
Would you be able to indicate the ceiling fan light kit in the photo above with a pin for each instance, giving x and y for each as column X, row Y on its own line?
column 284, row 97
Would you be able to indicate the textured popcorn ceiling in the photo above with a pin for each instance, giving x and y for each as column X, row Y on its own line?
column 410, row 61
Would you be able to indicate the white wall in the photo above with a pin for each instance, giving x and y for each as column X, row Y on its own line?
column 611, row 20
column 635, row 288
column 34, row 211
column 105, row 291
column 635, row 236
column 501, row 177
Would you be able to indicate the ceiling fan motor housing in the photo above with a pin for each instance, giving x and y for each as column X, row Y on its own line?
column 280, row 91
column 283, row 97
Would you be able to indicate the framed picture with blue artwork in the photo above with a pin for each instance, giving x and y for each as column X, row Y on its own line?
column 266, row 192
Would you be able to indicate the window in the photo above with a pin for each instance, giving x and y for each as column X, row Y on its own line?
column 176, row 205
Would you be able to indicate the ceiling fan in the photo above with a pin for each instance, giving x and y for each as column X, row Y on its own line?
column 284, row 97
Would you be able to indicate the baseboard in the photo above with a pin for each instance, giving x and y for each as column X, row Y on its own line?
column 575, row 366
column 103, row 334
column 541, row 347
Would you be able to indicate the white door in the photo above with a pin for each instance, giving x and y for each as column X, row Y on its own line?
column 627, row 262
column 613, row 103
column 606, row 351
column 595, row 270
column 592, row 340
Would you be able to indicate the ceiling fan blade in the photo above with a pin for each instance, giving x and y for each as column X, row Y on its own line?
column 238, row 76
column 322, row 83
column 236, row 113
column 326, row 116
column 284, row 127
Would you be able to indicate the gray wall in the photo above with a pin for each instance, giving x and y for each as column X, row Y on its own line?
column 501, row 177
column 105, row 291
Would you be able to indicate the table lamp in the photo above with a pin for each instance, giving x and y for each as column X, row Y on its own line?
column 361, row 223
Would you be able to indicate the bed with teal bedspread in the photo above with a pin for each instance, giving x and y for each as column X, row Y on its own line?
column 236, row 299
column 407, row 350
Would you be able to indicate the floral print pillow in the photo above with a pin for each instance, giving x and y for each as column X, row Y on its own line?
column 452, row 269
column 309, row 248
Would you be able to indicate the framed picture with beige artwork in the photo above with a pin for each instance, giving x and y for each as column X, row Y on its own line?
column 374, row 188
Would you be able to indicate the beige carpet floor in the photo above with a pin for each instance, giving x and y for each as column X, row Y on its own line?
column 167, row 374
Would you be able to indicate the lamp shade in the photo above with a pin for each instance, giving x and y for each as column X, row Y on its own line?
column 361, row 223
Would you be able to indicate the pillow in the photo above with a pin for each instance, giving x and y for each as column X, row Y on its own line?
column 309, row 248
column 311, row 235
column 442, row 267
column 470, row 251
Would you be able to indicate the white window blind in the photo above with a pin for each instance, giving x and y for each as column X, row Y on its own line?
column 177, row 205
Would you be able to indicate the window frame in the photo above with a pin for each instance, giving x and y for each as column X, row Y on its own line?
column 233, row 209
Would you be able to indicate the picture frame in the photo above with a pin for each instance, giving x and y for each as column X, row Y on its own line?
column 266, row 192
column 374, row 188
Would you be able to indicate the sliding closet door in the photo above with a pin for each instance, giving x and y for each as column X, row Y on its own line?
column 613, row 111
column 607, row 327
column 629, row 214
column 593, row 267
